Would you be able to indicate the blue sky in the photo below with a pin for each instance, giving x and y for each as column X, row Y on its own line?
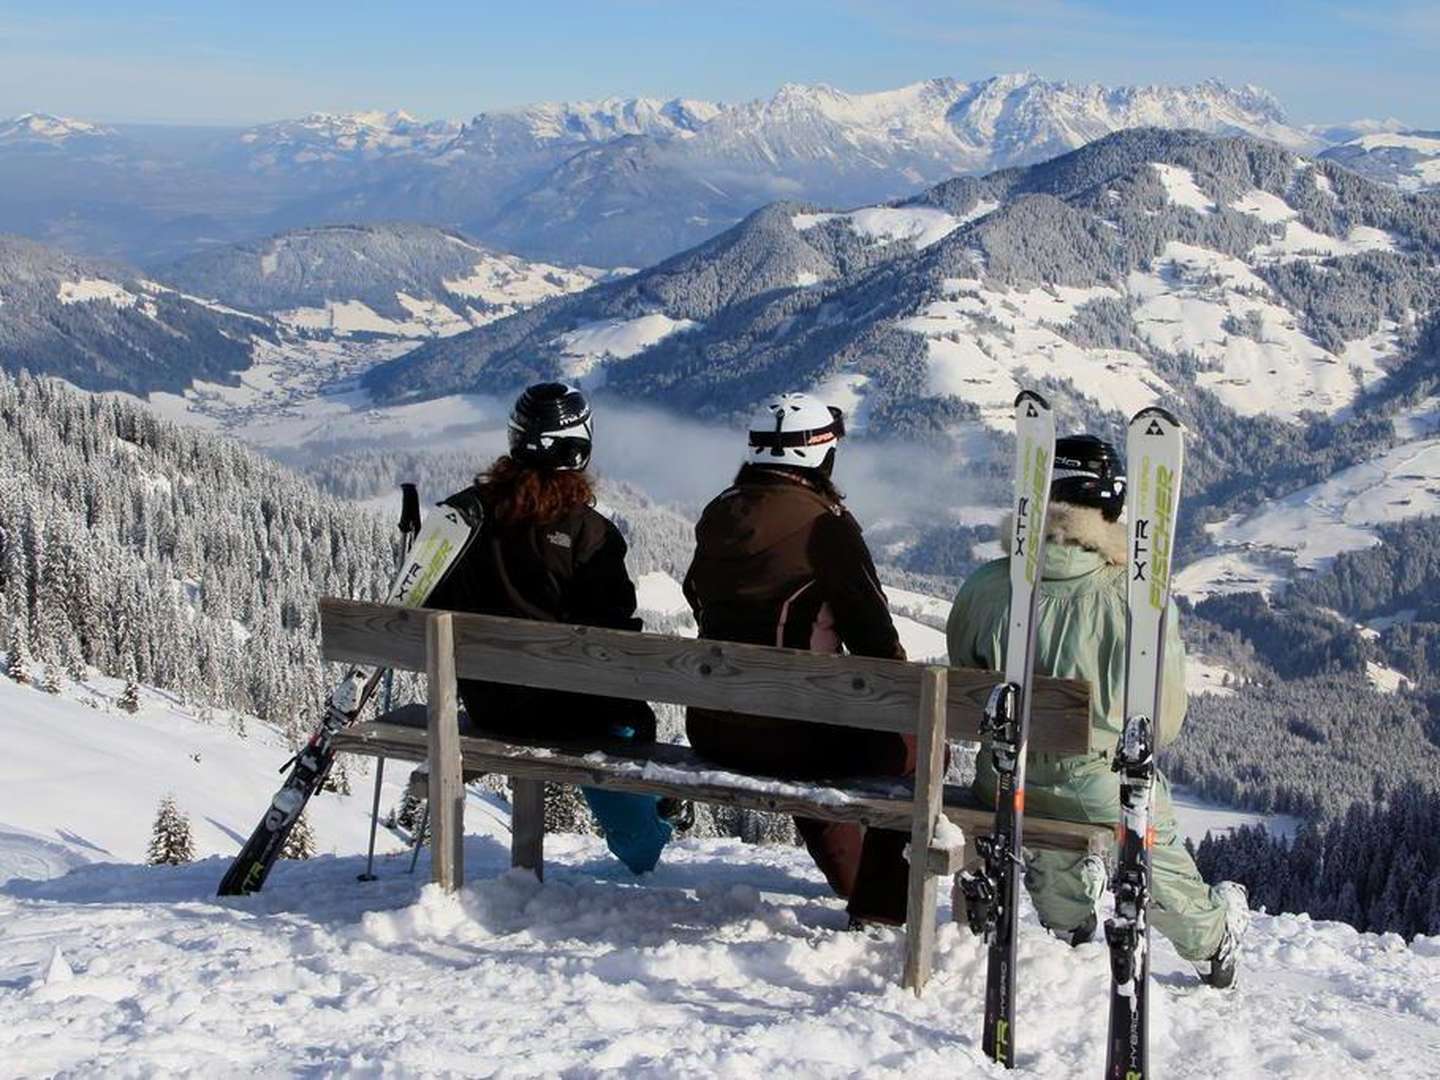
column 231, row 62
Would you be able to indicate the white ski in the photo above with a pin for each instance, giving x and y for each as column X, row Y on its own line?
column 440, row 542
column 1155, row 450
column 992, row 894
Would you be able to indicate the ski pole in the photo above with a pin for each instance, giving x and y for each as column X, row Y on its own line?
column 409, row 527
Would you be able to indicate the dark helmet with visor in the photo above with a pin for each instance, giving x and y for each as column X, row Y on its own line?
column 551, row 428
column 1088, row 472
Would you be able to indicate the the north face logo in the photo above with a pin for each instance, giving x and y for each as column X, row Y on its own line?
column 560, row 539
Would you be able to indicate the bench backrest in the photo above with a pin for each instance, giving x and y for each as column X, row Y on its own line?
column 853, row 691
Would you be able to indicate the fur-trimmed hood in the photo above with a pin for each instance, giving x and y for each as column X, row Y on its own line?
column 1078, row 526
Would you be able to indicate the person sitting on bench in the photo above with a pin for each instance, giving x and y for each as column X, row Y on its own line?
column 780, row 561
column 544, row 552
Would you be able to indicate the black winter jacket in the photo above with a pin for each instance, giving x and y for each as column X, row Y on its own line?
column 570, row 571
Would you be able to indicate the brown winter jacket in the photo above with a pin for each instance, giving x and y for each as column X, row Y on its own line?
column 778, row 562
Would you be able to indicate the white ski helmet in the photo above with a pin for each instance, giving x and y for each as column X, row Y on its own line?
column 795, row 430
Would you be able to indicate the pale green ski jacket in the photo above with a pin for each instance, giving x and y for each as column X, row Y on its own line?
column 1081, row 628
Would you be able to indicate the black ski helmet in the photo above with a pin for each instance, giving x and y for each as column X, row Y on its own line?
column 1088, row 472
column 550, row 427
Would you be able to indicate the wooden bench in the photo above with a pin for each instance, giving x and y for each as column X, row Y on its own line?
column 932, row 703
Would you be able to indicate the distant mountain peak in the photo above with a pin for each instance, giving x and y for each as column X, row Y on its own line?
column 49, row 128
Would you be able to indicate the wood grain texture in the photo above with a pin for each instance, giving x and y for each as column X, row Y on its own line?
column 447, row 791
column 881, row 695
column 678, row 771
column 527, row 825
column 927, row 803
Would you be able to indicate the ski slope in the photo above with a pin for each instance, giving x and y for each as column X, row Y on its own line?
column 82, row 779
column 729, row 960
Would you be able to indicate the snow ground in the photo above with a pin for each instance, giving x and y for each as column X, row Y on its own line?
column 117, row 766
column 729, row 960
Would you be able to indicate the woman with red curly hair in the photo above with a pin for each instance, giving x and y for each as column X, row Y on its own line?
column 544, row 552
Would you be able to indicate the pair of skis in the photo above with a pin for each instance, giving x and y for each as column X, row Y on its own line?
column 428, row 554
column 1155, row 449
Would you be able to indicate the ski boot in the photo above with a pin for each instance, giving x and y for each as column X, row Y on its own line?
column 1219, row 971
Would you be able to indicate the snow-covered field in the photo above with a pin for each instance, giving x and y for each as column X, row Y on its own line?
column 729, row 960
column 1306, row 529
column 87, row 778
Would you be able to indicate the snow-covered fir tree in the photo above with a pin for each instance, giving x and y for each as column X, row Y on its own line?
column 125, row 538
column 52, row 682
column 567, row 811
column 129, row 698
column 408, row 814
column 300, row 844
column 170, row 841
column 17, row 657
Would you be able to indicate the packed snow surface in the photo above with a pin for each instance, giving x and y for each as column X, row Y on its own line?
column 730, row 959
column 86, row 778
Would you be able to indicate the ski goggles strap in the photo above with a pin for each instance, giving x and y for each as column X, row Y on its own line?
column 784, row 440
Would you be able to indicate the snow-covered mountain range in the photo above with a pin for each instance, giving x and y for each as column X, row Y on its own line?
column 1147, row 263
column 329, row 140
column 631, row 180
column 617, row 181
column 43, row 131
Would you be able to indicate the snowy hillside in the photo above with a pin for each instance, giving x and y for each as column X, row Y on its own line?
column 1147, row 265
column 83, row 779
column 730, row 959
column 1410, row 160
column 1305, row 529
column 105, row 326
column 391, row 280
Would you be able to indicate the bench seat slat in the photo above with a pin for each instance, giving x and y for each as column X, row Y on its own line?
column 852, row 691
column 673, row 770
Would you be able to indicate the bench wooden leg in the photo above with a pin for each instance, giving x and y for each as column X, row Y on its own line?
column 929, row 796
column 527, row 825
column 447, row 789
